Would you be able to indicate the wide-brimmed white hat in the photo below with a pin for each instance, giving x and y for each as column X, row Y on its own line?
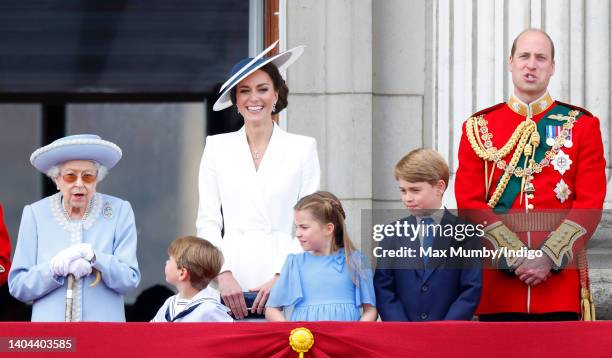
column 247, row 66
column 76, row 147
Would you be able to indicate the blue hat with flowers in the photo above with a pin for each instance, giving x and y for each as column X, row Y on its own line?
column 76, row 147
column 247, row 66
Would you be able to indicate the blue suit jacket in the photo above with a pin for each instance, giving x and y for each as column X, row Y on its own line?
column 448, row 289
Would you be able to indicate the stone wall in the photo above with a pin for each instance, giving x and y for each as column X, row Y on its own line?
column 382, row 77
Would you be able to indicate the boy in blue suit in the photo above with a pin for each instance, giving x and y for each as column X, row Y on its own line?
column 430, row 285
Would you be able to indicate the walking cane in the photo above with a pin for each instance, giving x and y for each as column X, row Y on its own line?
column 69, row 293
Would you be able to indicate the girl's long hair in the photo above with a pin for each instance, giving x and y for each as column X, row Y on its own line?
column 326, row 208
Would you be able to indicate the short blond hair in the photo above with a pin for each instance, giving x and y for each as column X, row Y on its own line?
column 422, row 165
column 199, row 257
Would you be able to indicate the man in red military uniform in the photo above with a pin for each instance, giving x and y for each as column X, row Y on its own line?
column 534, row 170
column 5, row 251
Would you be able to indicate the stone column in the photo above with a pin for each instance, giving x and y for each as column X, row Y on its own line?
column 398, row 60
column 471, row 42
column 331, row 95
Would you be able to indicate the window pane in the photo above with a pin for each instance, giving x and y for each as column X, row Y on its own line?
column 20, row 133
column 162, row 145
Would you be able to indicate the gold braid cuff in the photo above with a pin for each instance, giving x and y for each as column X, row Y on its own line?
column 501, row 236
column 559, row 243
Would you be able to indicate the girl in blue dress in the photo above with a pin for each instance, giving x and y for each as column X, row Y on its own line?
column 330, row 280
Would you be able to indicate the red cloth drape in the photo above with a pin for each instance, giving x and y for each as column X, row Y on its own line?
column 332, row 339
column 5, row 250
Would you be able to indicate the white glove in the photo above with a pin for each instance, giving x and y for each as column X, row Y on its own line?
column 80, row 268
column 83, row 250
column 60, row 264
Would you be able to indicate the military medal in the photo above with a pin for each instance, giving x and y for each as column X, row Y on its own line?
column 568, row 140
column 550, row 135
column 563, row 191
column 107, row 211
column 561, row 162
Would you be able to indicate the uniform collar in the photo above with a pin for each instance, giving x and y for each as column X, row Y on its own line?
column 538, row 106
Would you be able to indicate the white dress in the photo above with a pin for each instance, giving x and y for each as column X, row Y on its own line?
column 254, row 207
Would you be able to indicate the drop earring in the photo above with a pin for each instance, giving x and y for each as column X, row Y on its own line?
column 273, row 107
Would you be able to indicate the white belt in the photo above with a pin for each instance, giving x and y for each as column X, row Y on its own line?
column 240, row 231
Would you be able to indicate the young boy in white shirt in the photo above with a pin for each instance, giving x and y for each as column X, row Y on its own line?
column 192, row 263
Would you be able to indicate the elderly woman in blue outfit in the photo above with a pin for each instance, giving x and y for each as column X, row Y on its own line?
column 77, row 232
column 249, row 181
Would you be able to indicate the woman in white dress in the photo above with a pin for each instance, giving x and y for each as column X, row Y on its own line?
column 250, row 179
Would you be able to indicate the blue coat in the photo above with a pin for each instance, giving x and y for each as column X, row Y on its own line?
column 44, row 231
column 449, row 289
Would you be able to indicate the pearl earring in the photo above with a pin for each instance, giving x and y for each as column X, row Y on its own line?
column 274, row 108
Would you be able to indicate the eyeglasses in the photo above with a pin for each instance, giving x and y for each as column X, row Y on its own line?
column 87, row 178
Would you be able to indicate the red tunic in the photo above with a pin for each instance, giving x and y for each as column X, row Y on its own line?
column 5, row 250
column 587, row 182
